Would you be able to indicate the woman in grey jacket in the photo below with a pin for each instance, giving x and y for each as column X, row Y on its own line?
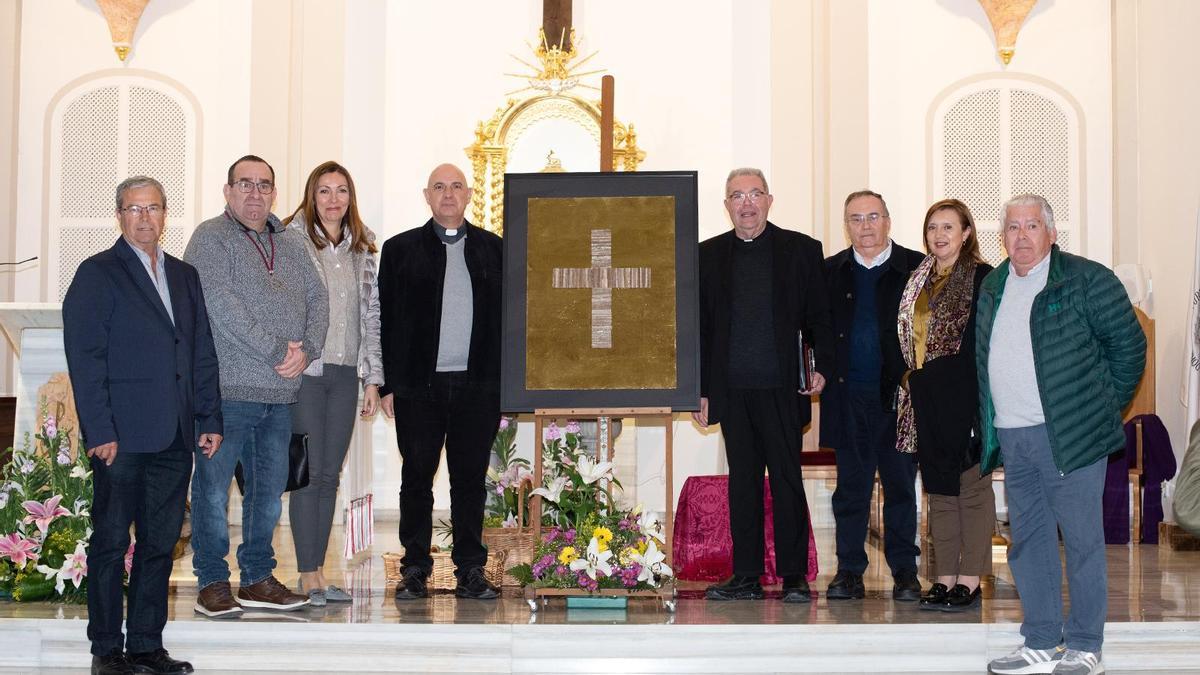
column 343, row 251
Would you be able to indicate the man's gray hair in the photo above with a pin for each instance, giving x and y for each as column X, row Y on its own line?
column 134, row 182
column 1029, row 199
column 859, row 194
column 746, row 171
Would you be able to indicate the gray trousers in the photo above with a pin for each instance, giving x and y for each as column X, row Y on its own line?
column 1041, row 503
column 962, row 526
column 326, row 411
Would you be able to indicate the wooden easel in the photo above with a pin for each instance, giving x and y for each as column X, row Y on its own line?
column 604, row 452
column 603, row 417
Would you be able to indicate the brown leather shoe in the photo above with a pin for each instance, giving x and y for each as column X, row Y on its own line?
column 216, row 600
column 270, row 594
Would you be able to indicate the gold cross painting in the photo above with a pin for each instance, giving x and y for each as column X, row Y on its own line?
column 600, row 282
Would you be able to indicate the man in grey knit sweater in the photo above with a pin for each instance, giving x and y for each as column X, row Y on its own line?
column 269, row 314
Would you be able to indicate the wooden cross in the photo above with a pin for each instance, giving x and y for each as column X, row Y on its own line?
column 556, row 22
column 602, row 278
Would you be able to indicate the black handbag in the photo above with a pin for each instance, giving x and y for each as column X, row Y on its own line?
column 297, row 466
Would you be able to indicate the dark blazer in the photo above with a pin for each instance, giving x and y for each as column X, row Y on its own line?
column 945, row 398
column 137, row 378
column 412, row 270
column 839, row 275
column 800, row 303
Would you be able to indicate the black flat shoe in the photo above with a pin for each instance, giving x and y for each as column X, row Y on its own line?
column 846, row 586
column 413, row 586
column 158, row 662
column 961, row 598
column 112, row 663
column 735, row 588
column 796, row 590
column 907, row 587
column 935, row 598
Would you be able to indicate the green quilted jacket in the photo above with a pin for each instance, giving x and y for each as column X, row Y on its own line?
column 1088, row 352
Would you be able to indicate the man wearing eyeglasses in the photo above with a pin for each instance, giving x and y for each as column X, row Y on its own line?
column 144, row 371
column 439, row 300
column 858, row 418
column 761, row 290
column 269, row 316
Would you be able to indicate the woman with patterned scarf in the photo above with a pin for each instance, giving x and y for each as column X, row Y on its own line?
column 937, row 406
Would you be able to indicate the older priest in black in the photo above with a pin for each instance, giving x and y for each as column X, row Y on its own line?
column 439, row 299
column 761, row 287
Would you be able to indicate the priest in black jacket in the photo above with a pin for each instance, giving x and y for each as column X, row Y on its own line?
column 439, row 300
column 858, row 412
column 761, row 288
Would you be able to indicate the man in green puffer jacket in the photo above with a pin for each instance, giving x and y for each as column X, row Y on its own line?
column 1059, row 353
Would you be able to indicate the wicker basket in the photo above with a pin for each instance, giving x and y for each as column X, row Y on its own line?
column 516, row 543
column 442, row 577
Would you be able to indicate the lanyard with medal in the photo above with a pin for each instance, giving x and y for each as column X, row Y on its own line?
column 262, row 253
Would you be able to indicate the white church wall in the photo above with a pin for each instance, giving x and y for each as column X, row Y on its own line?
column 199, row 45
column 1168, row 189
column 918, row 49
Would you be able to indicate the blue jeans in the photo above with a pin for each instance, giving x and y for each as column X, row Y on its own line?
column 257, row 435
column 1042, row 502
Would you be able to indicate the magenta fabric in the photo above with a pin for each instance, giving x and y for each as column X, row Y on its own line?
column 703, row 548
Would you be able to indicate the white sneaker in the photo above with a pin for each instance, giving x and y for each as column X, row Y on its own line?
column 1024, row 660
column 1075, row 662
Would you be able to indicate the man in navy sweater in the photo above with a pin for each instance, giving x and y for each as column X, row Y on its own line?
column 858, row 418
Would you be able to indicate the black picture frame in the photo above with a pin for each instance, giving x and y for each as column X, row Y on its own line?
column 519, row 188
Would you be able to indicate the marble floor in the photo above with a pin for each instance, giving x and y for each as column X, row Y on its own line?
column 1153, row 613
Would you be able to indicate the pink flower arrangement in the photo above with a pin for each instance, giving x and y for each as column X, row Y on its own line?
column 18, row 549
column 129, row 557
column 44, row 513
column 551, row 433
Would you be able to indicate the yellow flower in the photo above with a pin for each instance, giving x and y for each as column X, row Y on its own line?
column 641, row 547
column 567, row 555
column 604, row 534
column 627, row 554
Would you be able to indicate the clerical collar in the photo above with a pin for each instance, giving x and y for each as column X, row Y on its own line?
column 761, row 237
column 877, row 260
column 449, row 236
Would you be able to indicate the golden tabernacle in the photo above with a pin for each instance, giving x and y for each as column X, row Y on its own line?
column 601, row 293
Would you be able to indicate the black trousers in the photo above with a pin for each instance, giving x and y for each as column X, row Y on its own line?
column 464, row 419
column 759, row 436
column 871, row 447
column 147, row 490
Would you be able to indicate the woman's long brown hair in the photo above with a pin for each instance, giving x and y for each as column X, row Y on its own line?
column 312, row 220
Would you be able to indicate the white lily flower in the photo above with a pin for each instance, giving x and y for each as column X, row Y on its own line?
column 554, row 491
column 591, row 472
column 652, row 562
column 593, row 561
column 650, row 526
column 80, row 472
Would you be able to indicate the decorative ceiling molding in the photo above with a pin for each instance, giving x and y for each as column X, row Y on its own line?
column 1006, row 17
column 122, row 17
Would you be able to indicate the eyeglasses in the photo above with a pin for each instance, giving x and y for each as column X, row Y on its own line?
column 137, row 210
column 753, row 196
column 439, row 188
column 859, row 218
column 265, row 187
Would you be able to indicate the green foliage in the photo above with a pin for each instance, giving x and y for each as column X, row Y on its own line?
column 523, row 573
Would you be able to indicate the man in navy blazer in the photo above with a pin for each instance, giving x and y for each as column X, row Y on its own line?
column 144, row 372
